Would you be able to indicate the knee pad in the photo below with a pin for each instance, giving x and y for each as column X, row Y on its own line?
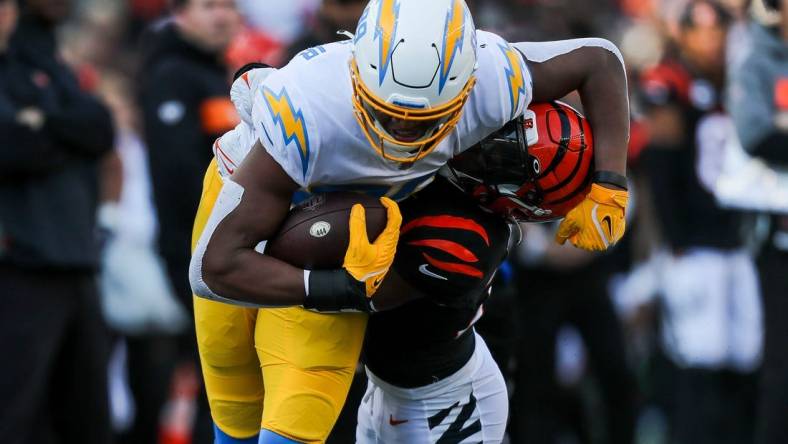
column 231, row 371
column 308, row 361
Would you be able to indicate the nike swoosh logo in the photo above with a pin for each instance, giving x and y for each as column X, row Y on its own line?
column 377, row 281
column 224, row 158
column 598, row 226
column 609, row 223
column 423, row 269
column 230, row 170
column 396, row 422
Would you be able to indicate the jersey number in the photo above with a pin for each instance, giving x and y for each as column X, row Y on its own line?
column 311, row 53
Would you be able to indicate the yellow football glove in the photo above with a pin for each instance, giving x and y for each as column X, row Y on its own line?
column 369, row 262
column 598, row 222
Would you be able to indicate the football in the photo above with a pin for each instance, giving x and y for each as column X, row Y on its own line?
column 316, row 232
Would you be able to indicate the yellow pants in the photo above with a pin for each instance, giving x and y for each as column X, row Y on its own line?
column 307, row 359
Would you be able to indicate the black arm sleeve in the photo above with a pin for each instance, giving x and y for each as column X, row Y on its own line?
column 84, row 124
column 773, row 148
column 666, row 170
column 25, row 151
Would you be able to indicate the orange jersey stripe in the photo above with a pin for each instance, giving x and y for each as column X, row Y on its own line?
column 217, row 115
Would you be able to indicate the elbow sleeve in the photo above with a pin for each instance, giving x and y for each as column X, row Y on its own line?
column 542, row 51
column 228, row 200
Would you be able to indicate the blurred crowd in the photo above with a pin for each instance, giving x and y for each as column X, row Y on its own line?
column 108, row 113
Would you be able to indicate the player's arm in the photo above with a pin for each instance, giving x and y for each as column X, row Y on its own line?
column 594, row 68
column 249, row 210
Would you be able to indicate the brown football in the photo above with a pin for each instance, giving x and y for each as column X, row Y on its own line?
column 316, row 232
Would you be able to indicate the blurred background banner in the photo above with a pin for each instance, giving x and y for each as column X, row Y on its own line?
column 108, row 113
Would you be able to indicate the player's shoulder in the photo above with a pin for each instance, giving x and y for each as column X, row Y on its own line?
column 503, row 88
column 285, row 125
column 295, row 107
column 318, row 63
column 495, row 54
column 315, row 71
column 331, row 52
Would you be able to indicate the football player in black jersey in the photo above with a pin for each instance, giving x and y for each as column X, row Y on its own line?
column 431, row 377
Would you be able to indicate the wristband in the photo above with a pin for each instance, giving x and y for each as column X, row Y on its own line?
column 611, row 178
column 336, row 290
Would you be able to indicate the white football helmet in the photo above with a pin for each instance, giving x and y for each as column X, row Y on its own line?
column 414, row 62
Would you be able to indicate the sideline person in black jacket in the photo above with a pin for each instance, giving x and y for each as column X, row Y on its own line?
column 52, row 136
column 186, row 106
column 184, row 94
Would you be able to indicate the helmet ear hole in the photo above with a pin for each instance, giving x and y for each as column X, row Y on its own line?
column 536, row 167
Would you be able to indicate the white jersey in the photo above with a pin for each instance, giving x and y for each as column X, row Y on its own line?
column 470, row 406
column 303, row 116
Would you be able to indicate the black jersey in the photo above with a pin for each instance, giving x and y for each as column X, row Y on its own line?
column 686, row 210
column 449, row 249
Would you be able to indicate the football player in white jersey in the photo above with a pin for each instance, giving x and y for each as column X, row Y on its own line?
column 380, row 113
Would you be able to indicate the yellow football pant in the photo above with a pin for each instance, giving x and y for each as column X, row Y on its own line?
column 308, row 359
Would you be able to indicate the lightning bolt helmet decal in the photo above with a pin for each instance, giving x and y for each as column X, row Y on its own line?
column 386, row 32
column 453, row 37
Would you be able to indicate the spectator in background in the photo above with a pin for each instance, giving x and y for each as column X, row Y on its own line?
column 186, row 105
column 711, row 329
column 561, row 286
column 758, row 98
column 144, row 311
column 52, row 136
column 333, row 16
column 184, row 95
column 282, row 20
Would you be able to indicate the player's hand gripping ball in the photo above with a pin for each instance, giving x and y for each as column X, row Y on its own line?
column 598, row 221
column 369, row 262
column 331, row 231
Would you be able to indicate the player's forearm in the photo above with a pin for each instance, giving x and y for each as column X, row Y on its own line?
column 225, row 265
column 606, row 103
column 253, row 278
column 594, row 68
